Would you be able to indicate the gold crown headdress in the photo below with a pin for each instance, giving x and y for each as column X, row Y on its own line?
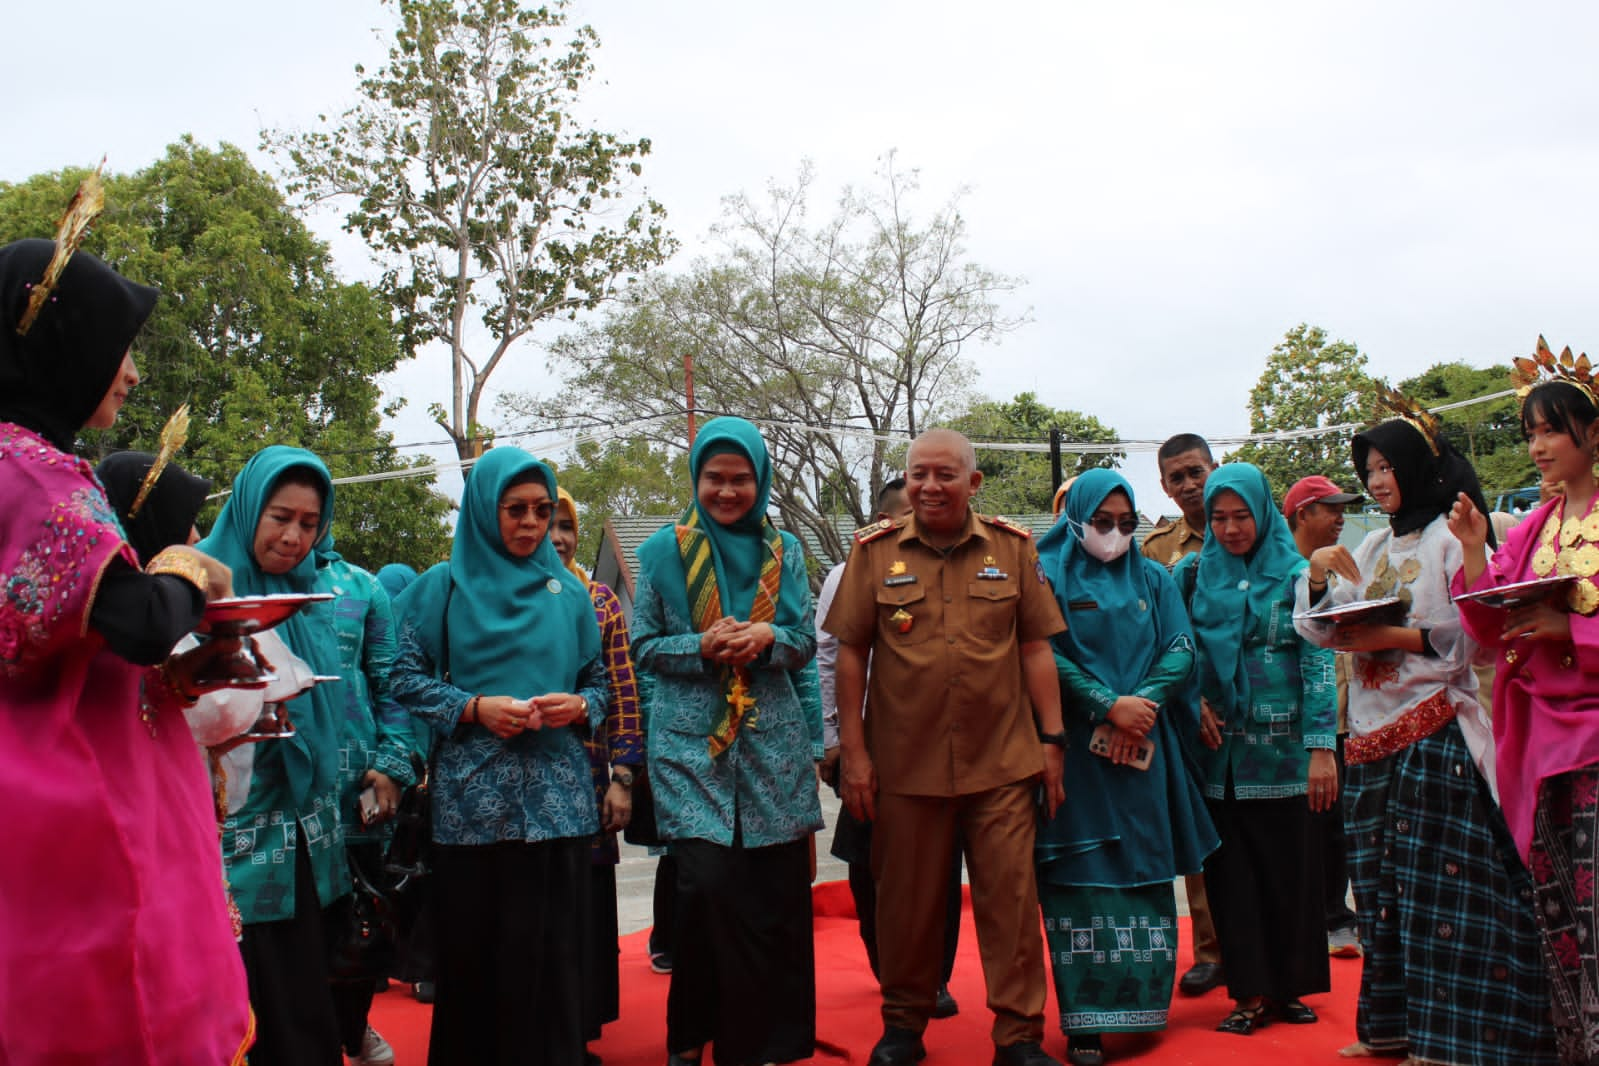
column 173, row 436
column 1400, row 406
column 85, row 206
column 1544, row 367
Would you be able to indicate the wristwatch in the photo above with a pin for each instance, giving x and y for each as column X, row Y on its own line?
column 622, row 776
column 1057, row 739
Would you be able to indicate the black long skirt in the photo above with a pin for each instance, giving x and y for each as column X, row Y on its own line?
column 1265, row 894
column 286, row 965
column 744, row 954
column 602, row 1000
column 512, row 922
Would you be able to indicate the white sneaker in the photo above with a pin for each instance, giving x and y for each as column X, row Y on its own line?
column 375, row 1051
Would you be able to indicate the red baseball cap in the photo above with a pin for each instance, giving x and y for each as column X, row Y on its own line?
column 1315, row 489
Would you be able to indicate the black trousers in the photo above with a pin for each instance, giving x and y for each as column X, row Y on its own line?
column 286, row 965
column 512, row 922
column 352, row 998
column 1329, row 828
column 744, row 953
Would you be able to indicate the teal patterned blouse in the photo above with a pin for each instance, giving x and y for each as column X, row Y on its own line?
column 376, row 731
column 766, row 780
column 1292, row 707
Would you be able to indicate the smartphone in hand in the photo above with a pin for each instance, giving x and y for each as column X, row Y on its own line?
column 369, row 805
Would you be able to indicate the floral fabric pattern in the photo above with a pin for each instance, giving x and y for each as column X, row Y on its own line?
column 1563, row 859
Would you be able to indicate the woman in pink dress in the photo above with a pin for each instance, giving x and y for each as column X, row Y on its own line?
column 115, row 942
column 1546, row 695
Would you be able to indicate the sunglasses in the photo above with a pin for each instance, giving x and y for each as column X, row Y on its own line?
column 1103, row 525
column 518, row 511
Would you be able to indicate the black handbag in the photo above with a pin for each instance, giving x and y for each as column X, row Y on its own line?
column 363, row 948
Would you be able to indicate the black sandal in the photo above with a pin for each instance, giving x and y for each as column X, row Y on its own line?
column 1085, row 1050
column 1243, row 1021
column 1296, row 1013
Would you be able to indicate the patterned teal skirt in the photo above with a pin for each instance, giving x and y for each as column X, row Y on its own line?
column 1114, row 955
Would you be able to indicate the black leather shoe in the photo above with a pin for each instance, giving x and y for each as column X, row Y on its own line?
column 945, row 1006
column 1296, row 1013
column 422, row 991
column 898, row 1047
column 1024, row 1053
column 1203, row 977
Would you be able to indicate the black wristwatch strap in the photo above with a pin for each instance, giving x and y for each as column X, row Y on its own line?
column 1057, row 739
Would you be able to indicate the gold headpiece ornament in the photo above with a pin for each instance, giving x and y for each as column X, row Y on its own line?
column 1404, row 408
column 86, row 205
column 1544, row 367
column 173, row 436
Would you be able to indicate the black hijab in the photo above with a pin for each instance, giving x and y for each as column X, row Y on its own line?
column 168, row 512
column 1428, row 483
column 52, row 379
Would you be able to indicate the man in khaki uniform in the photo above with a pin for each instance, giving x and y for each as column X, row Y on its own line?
column 962, row 720
column 1185, row 463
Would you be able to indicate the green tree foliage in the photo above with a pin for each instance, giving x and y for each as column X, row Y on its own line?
column 837, row 337
column 1488, row 433
column 622, row 477
column 1309, row 383
column 254, row 331
column 492, row 206
column 1016, row 482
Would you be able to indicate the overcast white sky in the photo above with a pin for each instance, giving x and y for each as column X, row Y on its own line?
column 1179, row 183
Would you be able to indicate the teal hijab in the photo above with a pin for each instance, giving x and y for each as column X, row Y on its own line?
column 1233, row 594
column 516, row 627
column 1131, row 626
column 737, row 550
column 309, row 759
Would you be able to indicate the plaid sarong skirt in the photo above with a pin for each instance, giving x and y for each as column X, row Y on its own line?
column 1452, row 970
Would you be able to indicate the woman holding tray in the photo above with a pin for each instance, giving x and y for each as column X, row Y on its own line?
column 1451, row 970
column 115, row 944
column 1546, row 691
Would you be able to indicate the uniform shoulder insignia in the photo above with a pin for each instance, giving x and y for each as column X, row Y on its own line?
column 1009, row 526
column 867, row 534
column 1162, row 526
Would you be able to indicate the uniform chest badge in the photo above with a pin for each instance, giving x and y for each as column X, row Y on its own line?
column 902, row 620
column 896, row 568
column 992, row 573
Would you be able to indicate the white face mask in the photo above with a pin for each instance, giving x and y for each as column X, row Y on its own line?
column 1106, row 547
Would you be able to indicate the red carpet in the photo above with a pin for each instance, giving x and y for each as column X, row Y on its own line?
column 847, row 1011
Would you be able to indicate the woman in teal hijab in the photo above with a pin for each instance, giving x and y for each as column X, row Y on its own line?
column 500, row 656
column 1269, row 718
column 284, row 846
column 723, row 625
column 1107, row 860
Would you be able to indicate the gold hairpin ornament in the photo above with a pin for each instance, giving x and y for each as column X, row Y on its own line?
column 173, row 436
column 85, row 206
column 1404, row 408
column 1544, row 366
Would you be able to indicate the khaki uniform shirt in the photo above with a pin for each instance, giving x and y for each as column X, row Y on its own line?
column 947, row 711
column 1168, row 542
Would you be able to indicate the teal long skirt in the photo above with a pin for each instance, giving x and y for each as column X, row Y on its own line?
column 1113, row 952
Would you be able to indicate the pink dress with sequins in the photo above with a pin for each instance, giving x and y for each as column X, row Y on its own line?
column 115, row 943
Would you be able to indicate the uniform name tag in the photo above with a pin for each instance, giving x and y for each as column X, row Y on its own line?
column 992, row 573
column 1082, row 605
column 900, row 579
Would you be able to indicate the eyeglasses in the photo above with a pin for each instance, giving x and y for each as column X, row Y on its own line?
column 1102, row 525
column 518, row 511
